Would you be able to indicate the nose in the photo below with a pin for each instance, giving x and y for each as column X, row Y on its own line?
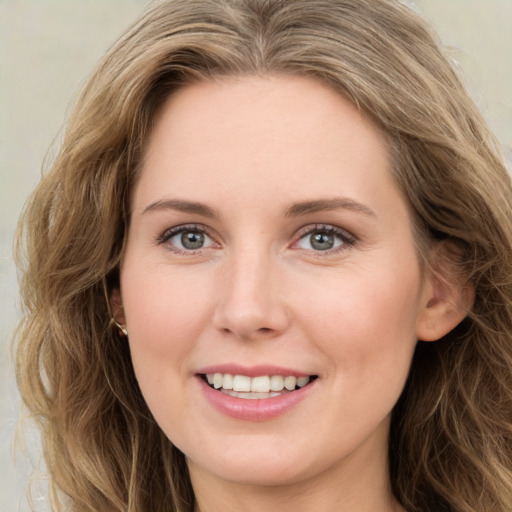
column 250, row 302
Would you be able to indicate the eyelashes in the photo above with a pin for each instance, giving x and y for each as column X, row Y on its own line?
column 324, row 239
column 318, row 239
column 186, row 238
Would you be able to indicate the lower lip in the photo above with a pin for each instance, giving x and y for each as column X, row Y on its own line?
column 260, row 409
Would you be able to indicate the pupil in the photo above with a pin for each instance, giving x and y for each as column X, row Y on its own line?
column 322, row 241
column 192, row 240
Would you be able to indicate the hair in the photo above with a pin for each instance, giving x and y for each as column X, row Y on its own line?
column 451, row 432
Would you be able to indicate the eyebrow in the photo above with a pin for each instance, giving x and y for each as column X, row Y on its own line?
column 182, row 206
column 335, row 203
column 295, row 210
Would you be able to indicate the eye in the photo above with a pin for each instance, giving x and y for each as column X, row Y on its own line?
column 190, row 239
column 186, row 238
column 324, row 238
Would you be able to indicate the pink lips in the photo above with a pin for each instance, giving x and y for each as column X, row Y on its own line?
column 253, row 409
column 251, row 371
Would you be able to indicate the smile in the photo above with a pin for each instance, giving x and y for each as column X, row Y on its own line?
column 260, row 387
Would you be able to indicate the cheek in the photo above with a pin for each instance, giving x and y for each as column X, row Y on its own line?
column 164, row 319
column 164, row 311
column 366, row 322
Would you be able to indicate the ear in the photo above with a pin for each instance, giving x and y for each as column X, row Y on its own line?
column 447, row 296
column 116, row 303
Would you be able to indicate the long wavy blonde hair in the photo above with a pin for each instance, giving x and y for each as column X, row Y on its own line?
column 451, row 433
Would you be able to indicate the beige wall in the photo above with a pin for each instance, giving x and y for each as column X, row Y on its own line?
column 480, row 34
column 47, row 48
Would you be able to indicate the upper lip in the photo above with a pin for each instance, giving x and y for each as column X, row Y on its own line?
column 252, row 371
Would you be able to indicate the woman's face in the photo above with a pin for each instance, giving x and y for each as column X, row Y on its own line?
column 269, row 246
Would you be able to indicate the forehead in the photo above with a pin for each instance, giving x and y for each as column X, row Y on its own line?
column 261, row 105
column 260, row 128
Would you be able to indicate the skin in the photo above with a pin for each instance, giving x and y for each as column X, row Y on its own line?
column 258, row 292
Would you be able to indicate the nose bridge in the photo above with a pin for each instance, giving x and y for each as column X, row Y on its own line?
column 250, row 294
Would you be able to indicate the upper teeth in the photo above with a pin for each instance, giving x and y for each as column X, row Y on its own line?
column 262, row 384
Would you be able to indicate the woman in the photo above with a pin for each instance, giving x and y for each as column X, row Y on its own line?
column 270, row 270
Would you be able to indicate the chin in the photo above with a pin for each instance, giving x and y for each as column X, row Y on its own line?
column 268, row 462
column 258, row 473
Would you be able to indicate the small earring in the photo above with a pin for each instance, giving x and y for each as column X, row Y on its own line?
column 122, row 328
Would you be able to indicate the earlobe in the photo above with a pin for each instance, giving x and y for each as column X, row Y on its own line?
column 116, row 305
column 448, row 295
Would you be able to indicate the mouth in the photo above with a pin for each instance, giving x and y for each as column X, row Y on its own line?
column 260, row 387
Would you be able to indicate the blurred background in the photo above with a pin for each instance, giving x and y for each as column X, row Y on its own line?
column 48, row 48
